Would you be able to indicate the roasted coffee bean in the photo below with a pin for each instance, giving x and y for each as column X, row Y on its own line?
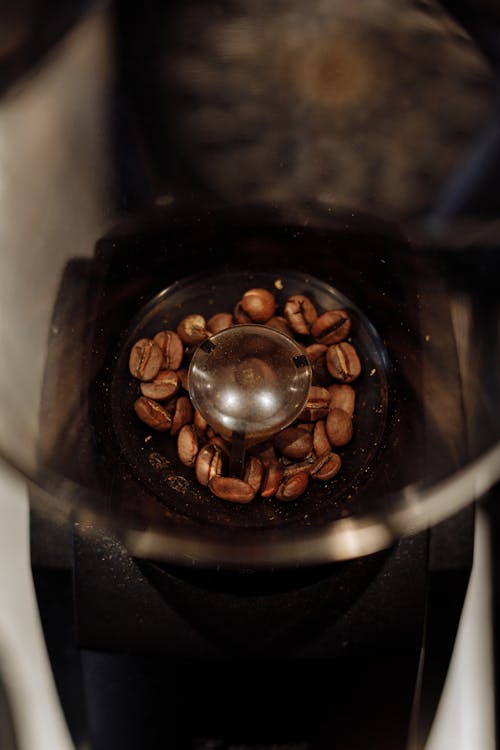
column 192, row 329
column 209, row 463
column 321, row 443
column 326, row 467
column 300, row 313
column 272, row 479
column 219, row 322
column 254, row 472
column 145, row 359
column 307, row 426
column 343, row 362
column 240, row 316
column 338, row 427
column 200, row 422
column 279, row 323
column 294, row 443
column 231, row 489
column 153, row 414
column 183, row 414
column 342, row 397
column 316, row 354
column 164, row 386
column 258, row 304
column 296, row 467
column 172, row 349
column 293, row 487
column 187, row 445
column 182, row 374
column 267, row 454
column 331, row 327
column 317, row 404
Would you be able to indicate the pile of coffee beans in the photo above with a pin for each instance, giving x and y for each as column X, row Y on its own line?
column 281, row 467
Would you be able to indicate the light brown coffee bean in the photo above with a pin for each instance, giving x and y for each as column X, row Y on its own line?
column 231, row 489
column 300, row 313
column 279, row 323
column 258, row 304
column 293, row 487
column 326, row 467
column 239, row 315
column 152, row 414
column 342, row 397
column 321, row 443
column 187, row 445
column 343, row 362
column 183, row 414
column 172, row 349
column 192, row 329
column 294, row 443
column 317, row 404
column 272, row 479
column 164, row 386
column 219, row 322
column 254, row 472
column 145, row 359
column 339, row 427
column 331, row 327
column 209, row 463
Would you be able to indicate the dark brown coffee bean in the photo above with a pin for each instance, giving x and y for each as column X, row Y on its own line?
column 209, row 463
column 145, row 359
column 326, row 467
column 258, row 304
column 293, row 487
column 339, row 427
column 316, row 354
column 254, row 472
column 317, row 404
column 200, row 422
column 152, row 414
column 187, row 445
column 183, row 377
column 266, row 453
column 321, row 443
column 240, row 316
column 172, row 348
column 192, row 329
column 231, row 489
column 219, row 322
column 272, row 479
column 183, row 414
column 164, row 386
column 294, row 443
column 342, row 397
column 343, row 362
column 280, row 324
column 300, row 313
column 307, row 426
column 296, row 467
column 331, row 327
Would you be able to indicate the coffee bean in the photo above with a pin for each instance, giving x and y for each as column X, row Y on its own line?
column 152, row 414
column 294, row 443
column 342, row 397
column 231, row 489
column 183, row 414
column 192, row 329
column 172, row 348
column 293, row 487
column 187, row 445
column 321, row 443
column 300, row 313
column 279, row 323
column 326, row 467
column 316, row 354
column 338, row 427
column 296, row 467
column 254, row 472
column 219, row 322
column 164, row 386
column 209, row 463
column 343, row 362
column 240, row 316
column 199, row 422
column 267, row 454
column 258, row 304
column 272, row 479
column 331, row 327
column 317, row 404
column 182, row 374
column 145, row 359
